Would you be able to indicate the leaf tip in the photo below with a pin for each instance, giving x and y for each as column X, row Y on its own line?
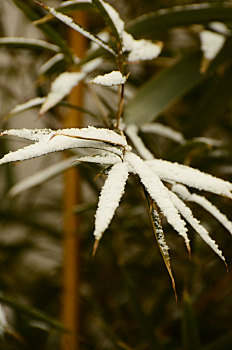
column 95, row 246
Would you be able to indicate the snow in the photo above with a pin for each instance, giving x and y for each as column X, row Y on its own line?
column 3, row 321
column 132, row 132
column 183, row 192
column 110, row 79
column 211, row 43
column 219, row 27
column 191, row 177
column 29, row 41
column 157, row 191
column 106, row 159
column 69, row 22
column 110, row 197
column 114, row 15
column 187, row 214
column 42, row 176
column 139, row 49
column 37, row 101
column 50, row 63
column 163, row 130
column 60, row 88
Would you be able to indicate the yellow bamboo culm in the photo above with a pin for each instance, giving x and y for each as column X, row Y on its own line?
column 72, row 196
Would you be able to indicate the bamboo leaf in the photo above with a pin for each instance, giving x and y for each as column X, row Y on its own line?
column 54, row 36
column 160, row 21
column 190, row 335
column 77, row 27
column 111, row 17
column 163, row 247
column 157, row 94
column 26, row 43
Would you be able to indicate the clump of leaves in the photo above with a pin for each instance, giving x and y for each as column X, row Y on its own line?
column 164, row 183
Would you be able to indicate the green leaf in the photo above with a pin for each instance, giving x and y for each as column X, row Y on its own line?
column 32, row 313
column 53, row 35
column 157, row 94
column 160, row 21
column 26, row 43
column 159, row 235
column 108, row 19
column 190, row 336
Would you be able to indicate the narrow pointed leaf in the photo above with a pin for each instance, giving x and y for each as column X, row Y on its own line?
column 69, row 22
column 190, row 177
column 160, row 238
column 110, row 197
column 60, row 88
column 183, row 193
column 27, row 43
column 35, row 102
column 163, row 130
column 203, row 233
column 163, row 19
column 158, row 93
column 157, row 191
column 111, row 17
column 132, row 132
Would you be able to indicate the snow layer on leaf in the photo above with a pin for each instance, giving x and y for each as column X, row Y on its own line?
column 158, row 193
column 183, row 192
column 110, row 197
column 139, row 49
column 42, row 176
column 187, row 214
column 107, row 159
column 30, row 134
column 114, row 15
column 132, row 132
column 37, row 101
column 211, row 43
column 92, row 133
column 60, row 88
column 28, row 41
column 219, row 27
column 52, row 142
column 163, row 130
column 51, row 62
column 109, row 79
column 190, row 177
column 69, row 22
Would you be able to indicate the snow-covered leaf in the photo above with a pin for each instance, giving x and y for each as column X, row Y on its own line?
column 160, row 238
column 187, row 214
column 163, row 130
column 183, row 192
column 42, row 176
column 140, row 49
column 28, row 43
column 157, row 191
column 211, row 43
column 112, row 17
column 109, row 79
column 110, row 196
column 48, row 141
column 35, row 102
column 191, row 177
column 60, row 88
column 69, row 22
column 59, row 57
column 132, row 132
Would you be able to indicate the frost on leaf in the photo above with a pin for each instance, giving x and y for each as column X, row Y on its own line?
column 110, row 196
column 114, row 15
column 37, row 101
column 109, row 79
column 163, row 130
column 60, row 88
column 132, row 132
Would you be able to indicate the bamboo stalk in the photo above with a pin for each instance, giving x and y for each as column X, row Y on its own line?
column 72, row 196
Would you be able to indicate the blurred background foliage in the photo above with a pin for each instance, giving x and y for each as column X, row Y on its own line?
column 126, row 298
